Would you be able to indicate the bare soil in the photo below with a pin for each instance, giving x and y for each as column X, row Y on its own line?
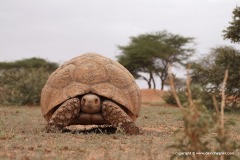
column 152, row 95
column 23, row 137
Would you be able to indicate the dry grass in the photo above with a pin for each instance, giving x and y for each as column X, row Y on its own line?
column 22, row 136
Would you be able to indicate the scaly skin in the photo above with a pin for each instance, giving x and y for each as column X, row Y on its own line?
column 118, row 118
column 89, row 109
column 63, row 115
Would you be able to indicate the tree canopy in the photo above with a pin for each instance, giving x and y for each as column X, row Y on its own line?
column 148, row 56
column 209, row 72
column 233, row 31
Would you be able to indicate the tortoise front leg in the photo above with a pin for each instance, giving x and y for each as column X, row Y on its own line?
column 118, row 118
column 63, row 115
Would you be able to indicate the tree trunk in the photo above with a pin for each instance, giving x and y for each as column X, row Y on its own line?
column 153, row 80
column 162, row 79
column 154, row 84
column 148, row 82
column 162, row 85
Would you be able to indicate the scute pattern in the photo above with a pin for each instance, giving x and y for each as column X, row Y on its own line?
column 98, row 75
column 118, row 77
column 75, row 89
column 104, row 89
column 91, row 73
column 62, row 77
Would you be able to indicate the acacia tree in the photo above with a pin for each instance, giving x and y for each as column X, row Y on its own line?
column 148, row 56
column 233, row 31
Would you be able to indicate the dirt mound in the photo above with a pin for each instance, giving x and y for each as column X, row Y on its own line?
column 152, row 95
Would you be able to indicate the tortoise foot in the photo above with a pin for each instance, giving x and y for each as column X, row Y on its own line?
column 130, row 128
column 117, row 117
column 64, row 115
column 53, row 129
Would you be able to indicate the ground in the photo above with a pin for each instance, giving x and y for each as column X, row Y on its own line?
column 152, row 96
column 22, row 136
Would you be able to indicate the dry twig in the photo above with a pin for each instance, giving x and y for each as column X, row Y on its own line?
column 189, row 92
column 173, row 89
column 222, row 107
column 215, row 104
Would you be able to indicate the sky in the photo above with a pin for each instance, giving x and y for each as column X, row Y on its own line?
column 58, row 30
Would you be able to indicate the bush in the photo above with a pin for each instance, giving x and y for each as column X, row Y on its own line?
column 197, row 94
column 21, row 81
column 22, row 86
column 208, row 73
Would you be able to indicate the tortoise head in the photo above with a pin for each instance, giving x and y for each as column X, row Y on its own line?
column 90, row 103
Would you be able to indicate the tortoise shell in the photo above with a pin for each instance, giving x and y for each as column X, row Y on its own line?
column 91, row 73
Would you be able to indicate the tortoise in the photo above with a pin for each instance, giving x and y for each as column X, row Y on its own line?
column 91, row 90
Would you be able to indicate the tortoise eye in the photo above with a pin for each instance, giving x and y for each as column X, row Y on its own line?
column 96, row 101
column 83, row 100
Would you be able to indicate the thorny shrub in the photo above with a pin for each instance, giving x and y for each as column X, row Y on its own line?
column 198, row 124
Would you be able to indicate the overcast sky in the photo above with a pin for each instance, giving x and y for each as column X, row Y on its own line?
column 58, row 30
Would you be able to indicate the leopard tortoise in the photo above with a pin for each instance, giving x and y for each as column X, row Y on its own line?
column 91, row 89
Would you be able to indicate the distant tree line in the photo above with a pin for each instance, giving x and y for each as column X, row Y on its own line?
column 21, row 81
